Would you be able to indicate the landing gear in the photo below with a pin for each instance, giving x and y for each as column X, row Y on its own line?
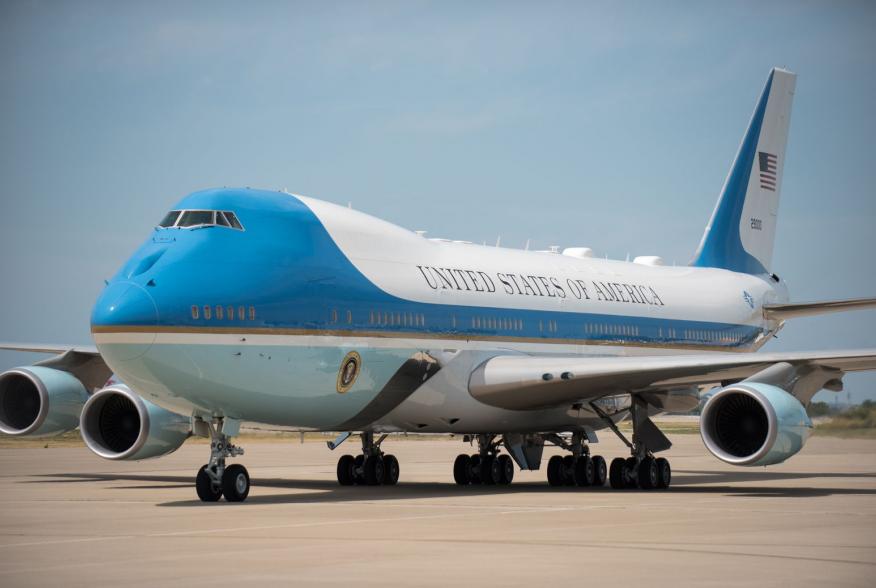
column 485, row 467
column 641, row 470
column 371, row 468
column 214, row 479
column 577, row 469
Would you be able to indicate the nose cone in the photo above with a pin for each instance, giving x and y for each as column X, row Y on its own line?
column 124, row 303
column 121, row 319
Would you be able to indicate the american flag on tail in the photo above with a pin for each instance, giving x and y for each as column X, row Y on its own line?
column 768, row 167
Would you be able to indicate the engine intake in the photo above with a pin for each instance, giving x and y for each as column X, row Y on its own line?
column 118, row 424
column 753, row 424
column 39, row 401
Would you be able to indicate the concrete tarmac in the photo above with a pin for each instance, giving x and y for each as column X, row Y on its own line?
column 69, row 518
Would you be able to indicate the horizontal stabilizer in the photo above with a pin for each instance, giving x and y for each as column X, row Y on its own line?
column 787, row 311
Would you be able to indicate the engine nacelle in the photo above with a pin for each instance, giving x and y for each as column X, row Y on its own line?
column 116, row 423
column 754, row 424
column 39, row 401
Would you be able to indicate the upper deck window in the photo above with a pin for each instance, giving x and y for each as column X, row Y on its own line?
column 188, row 219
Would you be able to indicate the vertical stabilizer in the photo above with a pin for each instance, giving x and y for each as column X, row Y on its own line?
column 741, row 233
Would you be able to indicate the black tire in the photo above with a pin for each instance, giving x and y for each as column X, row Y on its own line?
column 664, row 473
column 207, row 492
column 632, row 471
column 346, row 477
column 474, row 469
column 555, row 471
column 358, row 471
column 374, row 471
column 617, row 473
column 235, row 483
column 506, row 467
column 600, row 471
column 462, row 470
column 491, row 473
column 584, row 471
column 647, row 474
column 569, row 470
column 391, row 470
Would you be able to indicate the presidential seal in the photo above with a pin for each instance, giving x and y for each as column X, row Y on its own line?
column 348, row 372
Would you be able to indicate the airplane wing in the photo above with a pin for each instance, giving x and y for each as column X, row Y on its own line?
column 83, row 361
column 796, row 310
column 48, row 348
column 523, row 382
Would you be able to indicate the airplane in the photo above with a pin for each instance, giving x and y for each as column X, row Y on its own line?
column 268, row 307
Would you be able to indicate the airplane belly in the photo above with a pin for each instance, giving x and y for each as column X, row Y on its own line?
column 308, row 386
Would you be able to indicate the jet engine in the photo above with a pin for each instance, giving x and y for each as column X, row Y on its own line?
column 116, row 423
column 754, row 424
column 39, row 401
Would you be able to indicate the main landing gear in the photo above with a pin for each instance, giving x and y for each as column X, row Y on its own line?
column 214, row 479
column 578, row 468
column 640, row 470
column 370, row 468
column 485, row 467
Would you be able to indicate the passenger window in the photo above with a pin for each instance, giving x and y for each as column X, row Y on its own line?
column 241, row 313
column 252, row 313
column 169, row 219
column 194, row 311
column 229, row 312
column 218, row 312
column 207, row 312
column 349, row 316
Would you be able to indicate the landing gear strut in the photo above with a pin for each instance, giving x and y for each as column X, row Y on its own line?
column 641, row 469
column 578, row 468
column 484, row 467
column 214, row 479
column 370, row 468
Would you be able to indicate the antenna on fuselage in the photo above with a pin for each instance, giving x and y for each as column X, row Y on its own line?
column 526, row 247
column 498, row 240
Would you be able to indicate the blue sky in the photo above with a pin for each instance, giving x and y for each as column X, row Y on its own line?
column 593, row 124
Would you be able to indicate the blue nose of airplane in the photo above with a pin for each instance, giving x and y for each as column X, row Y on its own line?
column 118, row 320
column 124, row 303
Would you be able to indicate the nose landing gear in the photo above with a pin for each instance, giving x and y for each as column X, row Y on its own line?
column 214, row 479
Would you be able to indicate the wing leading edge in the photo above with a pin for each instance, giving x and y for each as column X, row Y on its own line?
column 531, row 382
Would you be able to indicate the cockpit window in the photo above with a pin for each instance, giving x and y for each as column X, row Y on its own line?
column 194, row 218
column 187, row 219
column 232, row 220
column 170, row 219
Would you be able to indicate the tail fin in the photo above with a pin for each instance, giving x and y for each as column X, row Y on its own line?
column 742, row 230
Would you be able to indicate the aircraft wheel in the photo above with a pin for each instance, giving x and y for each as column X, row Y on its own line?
column 555, row 471
column 600, row 470
column 358, row 471
column 664, row 473
column 584, row 471
column 617, row 473
column 491, row 472
column 506, row 469
column 632, row 470
column 569, row 470
column 235, row 483
column 375, row 472
column 207, row 492
column 475, row 469
column 462, row 470
column 647, row 474
column 346, row 476
column 391, row 470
